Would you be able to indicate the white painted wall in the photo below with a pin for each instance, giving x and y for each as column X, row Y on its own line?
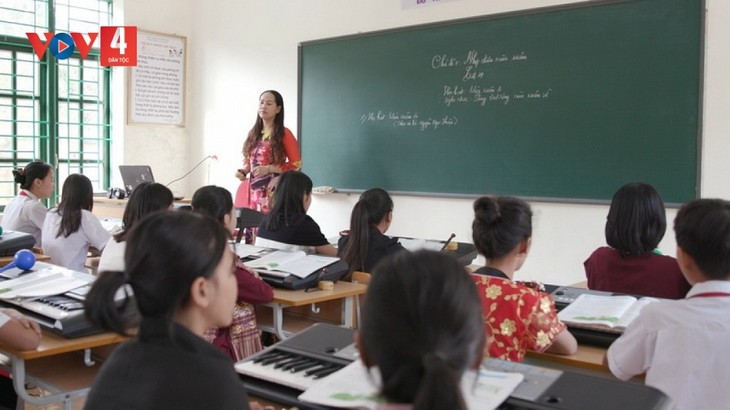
column 238, row 48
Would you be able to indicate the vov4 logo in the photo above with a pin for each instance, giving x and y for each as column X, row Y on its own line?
column 117, row 45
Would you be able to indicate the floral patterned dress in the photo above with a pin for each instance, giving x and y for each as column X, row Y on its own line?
column 261, row 155
column 516, row 318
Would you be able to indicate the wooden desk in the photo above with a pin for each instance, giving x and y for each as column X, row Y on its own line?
column 587, row 358
column 114, row 208
column 105, row 207
column 56, row 354
column 4, row 260
column 272, row 320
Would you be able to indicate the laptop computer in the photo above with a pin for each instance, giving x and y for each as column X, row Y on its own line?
column 133, row 175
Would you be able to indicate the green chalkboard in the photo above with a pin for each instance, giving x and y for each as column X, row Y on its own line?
column 561, row 103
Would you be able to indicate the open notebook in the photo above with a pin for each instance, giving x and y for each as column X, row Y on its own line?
column 292, row 269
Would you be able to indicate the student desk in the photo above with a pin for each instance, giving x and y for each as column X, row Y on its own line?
column 114, row 208
column 57, row 366
column 4, row 260
column 270, row 317
column 586, row 358
column 465, row 253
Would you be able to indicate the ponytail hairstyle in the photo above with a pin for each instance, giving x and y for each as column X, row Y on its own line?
column 213, row 201
column 31, row 172
column 500, row 224
column 422, row 327
column 77, row 195
column 373, row 206
column 277, row 135
column 288, row 198
column 146, row 198
column 165, row 253
column 636, row 220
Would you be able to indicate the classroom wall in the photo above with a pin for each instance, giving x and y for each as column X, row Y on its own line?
column 166, row 148
column 238, row 48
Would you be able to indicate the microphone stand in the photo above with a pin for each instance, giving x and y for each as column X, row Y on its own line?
column 191, row 170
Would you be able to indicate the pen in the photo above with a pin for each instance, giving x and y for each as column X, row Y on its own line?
column 447, row 241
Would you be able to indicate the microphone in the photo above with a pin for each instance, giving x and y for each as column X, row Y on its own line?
column 213, row 157
column 24, row 259
column 453, row 235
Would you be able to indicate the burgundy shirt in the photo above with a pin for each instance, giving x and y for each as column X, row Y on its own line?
column 656, row 275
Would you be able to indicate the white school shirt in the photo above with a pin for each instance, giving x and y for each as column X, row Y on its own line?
column 112, row 259
column 71, row 251
column 25, row 213
column 682, row 345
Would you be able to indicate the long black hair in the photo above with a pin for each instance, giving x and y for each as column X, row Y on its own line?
column 146, row 198
column 288, row 198
column 165, row 253
column 77, row 195
column 277, row 134
column 373, row 206
column 422, row 326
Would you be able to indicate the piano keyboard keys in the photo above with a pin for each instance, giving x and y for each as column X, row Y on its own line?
column 321, row 374
column 62, row 302
column 304, row 366
column 315, row 369
column 272, row 359
column 289, row 369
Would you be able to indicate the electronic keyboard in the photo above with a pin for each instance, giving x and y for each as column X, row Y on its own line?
column 283, row 371
column 63, row 313
column 332, row 272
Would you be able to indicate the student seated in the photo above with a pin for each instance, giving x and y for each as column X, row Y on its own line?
column 20, row 333
column 242, row 338
column 631, row 263
column 366, row 243
column 146, row 198
column 70, row 229
column 682, row 345
column 180, row 268
column 288, row 226
column 421, row 329
column 518, row 317
column 25, row 212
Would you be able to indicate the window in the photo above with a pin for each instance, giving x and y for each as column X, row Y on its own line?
column 53, row 110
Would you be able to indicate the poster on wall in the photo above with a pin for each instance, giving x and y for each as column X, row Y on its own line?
column 157, row 83
column 410, row 4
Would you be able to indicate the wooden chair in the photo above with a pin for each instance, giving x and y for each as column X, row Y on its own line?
column 364, row 278
column 361, row 277
column 247, row 218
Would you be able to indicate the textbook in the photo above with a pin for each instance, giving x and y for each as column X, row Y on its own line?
column 605, row 313
column 297, row 263
column 356, row 387
column 45, row 280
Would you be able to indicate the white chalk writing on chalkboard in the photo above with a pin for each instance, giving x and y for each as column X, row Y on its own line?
column 474, row 70
column 409, row 119
column 476, row 94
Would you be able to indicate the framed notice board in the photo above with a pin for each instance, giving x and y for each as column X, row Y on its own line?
column 565, row 103
column 157, row 84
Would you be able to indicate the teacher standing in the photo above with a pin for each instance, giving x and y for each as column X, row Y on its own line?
column 269, row 150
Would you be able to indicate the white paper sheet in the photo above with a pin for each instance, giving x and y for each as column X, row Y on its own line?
column 354, row 387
